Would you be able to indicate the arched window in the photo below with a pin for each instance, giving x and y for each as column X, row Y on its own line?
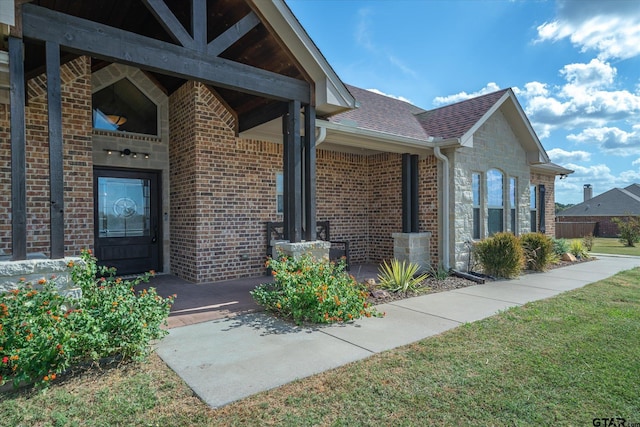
column 122, row 107
column 495, row 201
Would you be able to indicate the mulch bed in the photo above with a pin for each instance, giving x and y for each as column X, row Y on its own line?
column 433, row 285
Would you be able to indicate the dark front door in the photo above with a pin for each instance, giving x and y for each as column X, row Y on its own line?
column 126, row 218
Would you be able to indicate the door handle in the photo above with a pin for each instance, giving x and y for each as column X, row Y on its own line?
column 155, row 234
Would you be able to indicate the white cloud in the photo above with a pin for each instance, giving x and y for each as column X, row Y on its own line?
column 610, row 139
column 363, row 29
column 400, row 98
column 560, row 156
column 588, row 98
column 599, row 176
column 610, row 28
column 461, row 96
column 636, row 162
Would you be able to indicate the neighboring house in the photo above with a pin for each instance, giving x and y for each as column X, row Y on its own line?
column 164, row 135
column 600, row 210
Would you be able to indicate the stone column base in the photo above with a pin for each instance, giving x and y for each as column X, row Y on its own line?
column 413, row 248
column 33, row 270
column 318, row 249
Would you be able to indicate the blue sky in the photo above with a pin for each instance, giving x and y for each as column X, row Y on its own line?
column 574, row 66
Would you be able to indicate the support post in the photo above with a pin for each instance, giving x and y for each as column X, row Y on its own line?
column 18, row 151
column 415, row 208
column 56, row 179
column 292, row 173
column 310, row 172
column 406, row 193
column 541, row 208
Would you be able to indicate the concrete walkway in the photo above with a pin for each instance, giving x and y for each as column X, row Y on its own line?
column 228, row 359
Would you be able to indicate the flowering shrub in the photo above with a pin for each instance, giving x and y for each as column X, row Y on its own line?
column 313, row 291
column 43, row 333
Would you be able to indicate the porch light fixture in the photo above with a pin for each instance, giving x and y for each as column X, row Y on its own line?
column 116, row 120
column 126, row 152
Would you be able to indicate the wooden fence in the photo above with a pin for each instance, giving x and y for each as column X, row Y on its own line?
column 572, row 230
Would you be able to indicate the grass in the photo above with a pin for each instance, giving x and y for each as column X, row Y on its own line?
column 561, row 361
column 612, row 245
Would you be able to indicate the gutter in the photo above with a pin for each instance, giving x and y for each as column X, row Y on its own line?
column 445, row 206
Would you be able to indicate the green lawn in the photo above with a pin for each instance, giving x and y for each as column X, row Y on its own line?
column 605, row 245
column 561, row 361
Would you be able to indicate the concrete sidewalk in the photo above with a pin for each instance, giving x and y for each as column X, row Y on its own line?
column 229, row 359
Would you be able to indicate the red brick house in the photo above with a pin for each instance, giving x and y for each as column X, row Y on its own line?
column 164, row 134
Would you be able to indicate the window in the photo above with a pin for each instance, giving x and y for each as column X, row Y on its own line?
column 533, row 202
column 512, row 204
column 122, row 107
column 495, row 201
column 279, row 192
column 475, row 185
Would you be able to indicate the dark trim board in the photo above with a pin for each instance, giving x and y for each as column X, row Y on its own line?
column 112, row 44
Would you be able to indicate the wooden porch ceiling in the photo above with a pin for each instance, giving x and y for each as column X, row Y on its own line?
column 258, row 48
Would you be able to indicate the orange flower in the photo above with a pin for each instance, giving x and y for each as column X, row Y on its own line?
column 53, row 376
column 46, row 378
column 70, row 264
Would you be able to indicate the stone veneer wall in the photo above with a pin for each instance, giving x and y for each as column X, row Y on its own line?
column 549, row 208
column 495, row 146
column 78, row 168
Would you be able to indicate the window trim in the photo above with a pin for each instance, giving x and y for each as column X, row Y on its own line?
column 476, row 222
column 513, row 204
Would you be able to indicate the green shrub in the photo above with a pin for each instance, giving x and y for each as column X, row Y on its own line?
column 43, row 333
column 577, row 249
column 561, row 246
column 307, row 290
column 588, row 241
column 538, row 251
column 400, row 276
column 438, row 272
column 629, row 230
column 500, row 255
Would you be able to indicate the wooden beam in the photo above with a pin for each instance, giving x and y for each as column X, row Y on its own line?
column 292, row 171
column 310, row 172
column 115, row 45
column 18, row 151
column 262, row 115
column 169, row 22
column 199, row 23
column 56, row 178
column 233, row 34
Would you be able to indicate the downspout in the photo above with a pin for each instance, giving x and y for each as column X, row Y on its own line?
column 445, row 205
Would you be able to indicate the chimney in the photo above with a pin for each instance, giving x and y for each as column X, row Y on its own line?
column 588, row 192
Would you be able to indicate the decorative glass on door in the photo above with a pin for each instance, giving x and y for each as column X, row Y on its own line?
column 124, row 207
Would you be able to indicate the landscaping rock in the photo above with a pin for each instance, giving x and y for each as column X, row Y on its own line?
column 379, row 293
column 569, row 257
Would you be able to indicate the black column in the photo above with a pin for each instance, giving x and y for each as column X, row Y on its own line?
column 541, row 208
column 310, row 172
column 18, row 151
column 406, row 193
column 292, row 173
column 56, row 179
column 415, row 216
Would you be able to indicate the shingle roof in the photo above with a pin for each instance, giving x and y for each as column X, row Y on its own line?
column 615, row 202
column 455, row 120
column 383, row 114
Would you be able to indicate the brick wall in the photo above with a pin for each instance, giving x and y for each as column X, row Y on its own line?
column 385, row 204
column 342, row 198
column 78, row 175
column 222, row 190
column 549, row 208
column 5, row 181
